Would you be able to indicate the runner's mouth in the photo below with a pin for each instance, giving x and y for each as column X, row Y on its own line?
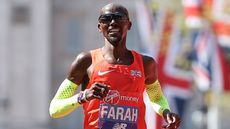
column 114, row 30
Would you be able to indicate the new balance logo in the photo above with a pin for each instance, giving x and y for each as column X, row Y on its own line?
column 120, row 126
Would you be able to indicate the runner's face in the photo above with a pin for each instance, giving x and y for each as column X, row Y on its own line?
column 114, row 24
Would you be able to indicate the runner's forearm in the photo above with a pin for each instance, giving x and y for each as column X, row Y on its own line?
column 64, row 102
column 159, row 101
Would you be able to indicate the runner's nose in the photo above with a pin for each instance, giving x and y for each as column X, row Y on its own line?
column 113, row 22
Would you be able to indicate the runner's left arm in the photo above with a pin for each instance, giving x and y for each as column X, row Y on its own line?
column 157, row 98
column 153, row 88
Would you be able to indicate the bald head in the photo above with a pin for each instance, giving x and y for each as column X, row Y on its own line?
column 112, row 8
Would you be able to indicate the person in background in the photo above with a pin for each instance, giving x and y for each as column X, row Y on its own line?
column 116, row 83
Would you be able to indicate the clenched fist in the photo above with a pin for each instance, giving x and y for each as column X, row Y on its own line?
column 97, row 91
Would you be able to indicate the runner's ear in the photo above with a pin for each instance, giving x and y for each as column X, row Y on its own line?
column 99, row 27
column 130, row 25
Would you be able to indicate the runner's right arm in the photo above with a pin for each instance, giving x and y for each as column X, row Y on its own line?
column 66, row 100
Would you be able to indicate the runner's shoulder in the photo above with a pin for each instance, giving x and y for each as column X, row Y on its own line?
column 148, row 60
column 83, row 59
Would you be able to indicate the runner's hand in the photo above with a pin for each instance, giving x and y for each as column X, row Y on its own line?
column 172, row 119
column 97, row 91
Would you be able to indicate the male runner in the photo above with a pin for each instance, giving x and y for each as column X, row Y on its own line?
column 114, row 81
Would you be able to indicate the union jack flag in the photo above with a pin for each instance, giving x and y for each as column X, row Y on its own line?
column 203, row 52
column 175, row 81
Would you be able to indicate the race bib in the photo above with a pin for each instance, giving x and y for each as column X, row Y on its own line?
column 119, row 111
column 118, row 117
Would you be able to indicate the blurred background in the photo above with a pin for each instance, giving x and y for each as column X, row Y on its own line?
column 190, row 40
